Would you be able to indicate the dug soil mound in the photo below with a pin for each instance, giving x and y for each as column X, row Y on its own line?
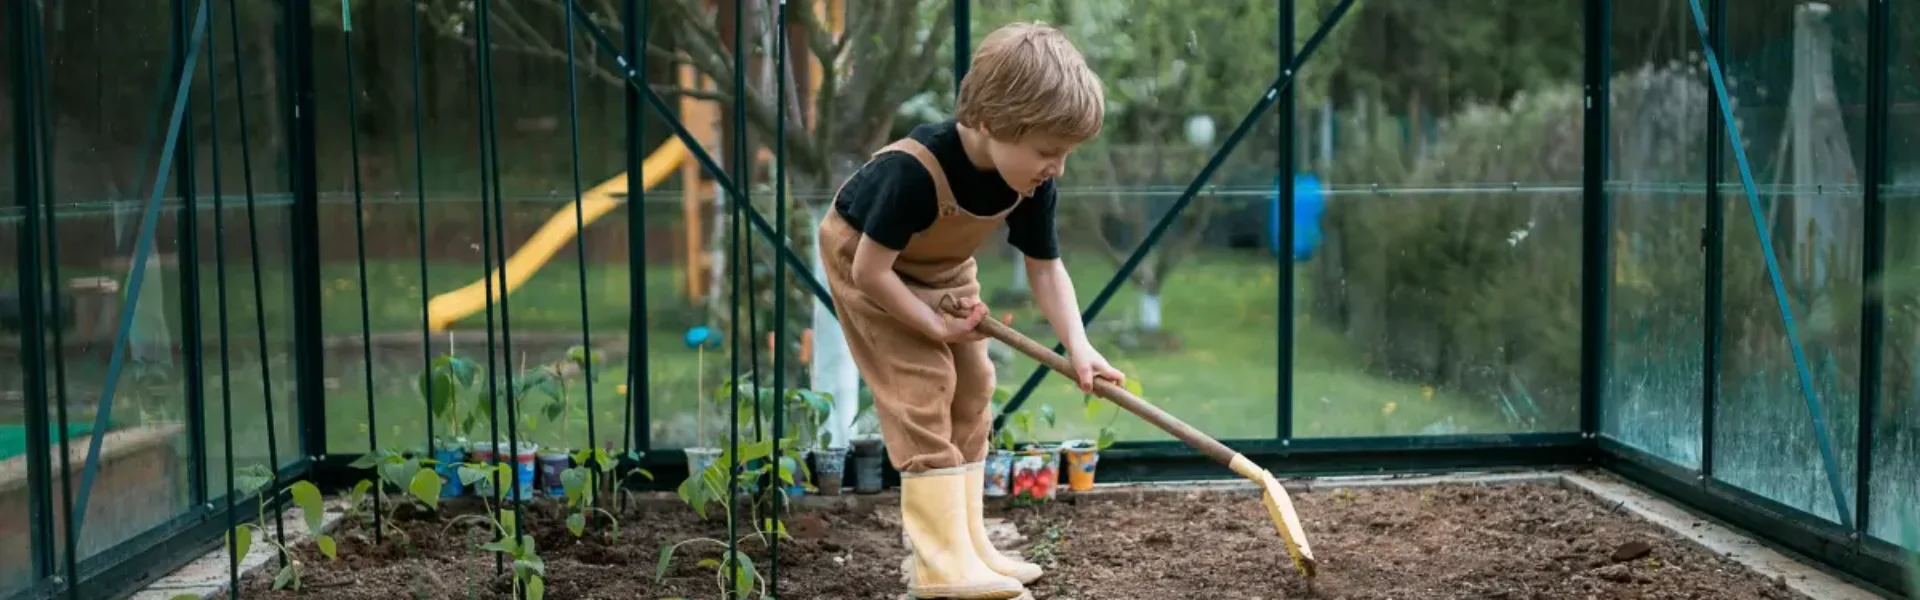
column 1443, row 542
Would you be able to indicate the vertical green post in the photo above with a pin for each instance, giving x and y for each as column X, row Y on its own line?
column 188, row 221
column 1714, row 241
column 962, row 42
column 309, row 357
column 638, row 416
column 1873, row 319
column 1597, row 217
column 33, row 367
column 1284, row 108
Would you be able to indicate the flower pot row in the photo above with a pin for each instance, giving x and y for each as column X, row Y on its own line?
column 538, row 470
column 1031, row 474
column 827, row 467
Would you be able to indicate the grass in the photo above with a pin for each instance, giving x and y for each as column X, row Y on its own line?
column 1214, row 366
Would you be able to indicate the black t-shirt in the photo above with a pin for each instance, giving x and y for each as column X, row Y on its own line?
column 892, row 198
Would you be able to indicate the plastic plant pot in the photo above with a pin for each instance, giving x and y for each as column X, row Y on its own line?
column 552, row 464
column 447, row 456
column 868, row 462
column 699, row 458
column 1036, row 473
column 999, row 471
column 523, row 469
column 829, row 469
column 482, row 456
column 1082, row 457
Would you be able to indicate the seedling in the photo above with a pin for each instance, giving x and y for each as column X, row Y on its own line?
column 529, row 570
column 255, row 479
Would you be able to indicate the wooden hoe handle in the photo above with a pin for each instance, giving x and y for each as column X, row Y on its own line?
column 1106, row 389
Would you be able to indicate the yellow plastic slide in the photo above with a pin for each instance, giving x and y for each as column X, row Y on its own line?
column 452, row 306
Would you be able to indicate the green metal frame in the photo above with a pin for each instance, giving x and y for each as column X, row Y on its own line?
column 1844, row 547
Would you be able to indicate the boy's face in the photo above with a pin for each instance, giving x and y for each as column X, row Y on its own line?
column 1031, row 160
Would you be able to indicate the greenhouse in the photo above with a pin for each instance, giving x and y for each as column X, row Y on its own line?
column 576, row 299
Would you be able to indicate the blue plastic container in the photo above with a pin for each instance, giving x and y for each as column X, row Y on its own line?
column 1309, row 204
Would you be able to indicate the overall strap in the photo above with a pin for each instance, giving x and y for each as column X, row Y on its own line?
column 919, row 151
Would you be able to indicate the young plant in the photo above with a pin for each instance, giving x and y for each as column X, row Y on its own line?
column 1092, row 406
column 558, row 378
column 1024, row 423
column 582, row 495
column 815, row 407
column 255, row 479
column 746, row 579
column 415, row 475
column 445, row 385
column 529, row 569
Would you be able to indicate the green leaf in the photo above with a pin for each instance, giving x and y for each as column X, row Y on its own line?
column 366, row 461
column 506, row 545
column 743, row 579
column 186, row 597
column 709, row 563
column 531, row 565
column 577, row 523
column 285, row 578
column 554, row 410
column 307, row 497
column 1106, row 439
column 666, row 559
column 471, row 474
column 536, row 588
column 326, row 545
column 574, row 480
column 240, row 540
column 426, row 488
column 437, row 387
column 1133, row 387
column 1046, row 413
column 607, row 461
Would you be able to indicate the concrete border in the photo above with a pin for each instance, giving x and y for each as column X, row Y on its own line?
column 206, row 576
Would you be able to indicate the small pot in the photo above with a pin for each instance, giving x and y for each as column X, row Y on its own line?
column 1082, row 457
column 869, row 461
column 699, row 458
column 799, row 487
column 829, row 470
column 482, row 456
column 1036, row 474
column 447, row 456
column 523, row 468
column 999, row 472
column 552, row 464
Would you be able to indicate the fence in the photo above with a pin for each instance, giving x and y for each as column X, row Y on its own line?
column 255, row 247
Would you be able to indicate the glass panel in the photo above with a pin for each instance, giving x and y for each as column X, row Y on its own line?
column 1896, row 433
column 1660, row 110
column 16, row 542
column 109, row 88
column 1195, row 324
column 241, row 214
column 1796, row 76
column 1445, row 295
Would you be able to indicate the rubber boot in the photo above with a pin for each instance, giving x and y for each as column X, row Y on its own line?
column 933, row 510
column 1025, row 572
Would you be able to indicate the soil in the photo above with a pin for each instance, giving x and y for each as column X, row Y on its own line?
column 1519, row 540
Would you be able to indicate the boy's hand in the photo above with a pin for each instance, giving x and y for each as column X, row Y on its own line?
column 1088, row 364
column 951, row 330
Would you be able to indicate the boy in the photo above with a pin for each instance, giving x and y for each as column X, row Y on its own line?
column 901, row 236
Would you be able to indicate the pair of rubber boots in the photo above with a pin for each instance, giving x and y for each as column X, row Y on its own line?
column 951, row 555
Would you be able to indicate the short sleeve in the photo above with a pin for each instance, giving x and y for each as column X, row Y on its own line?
column 1030, row 226
column 893, row 199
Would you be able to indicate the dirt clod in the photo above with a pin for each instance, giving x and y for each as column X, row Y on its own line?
column 1447, row 542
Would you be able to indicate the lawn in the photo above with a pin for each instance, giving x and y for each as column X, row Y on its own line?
column 1214, row 364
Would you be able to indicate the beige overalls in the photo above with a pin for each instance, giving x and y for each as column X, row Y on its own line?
column 932, row 398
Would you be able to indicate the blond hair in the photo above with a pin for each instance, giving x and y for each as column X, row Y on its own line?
column 1028, row 78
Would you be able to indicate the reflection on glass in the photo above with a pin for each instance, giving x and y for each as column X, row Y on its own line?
column 1444, row 297
column 1896, row 431
column 1804, row 147
column 1659, row 113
